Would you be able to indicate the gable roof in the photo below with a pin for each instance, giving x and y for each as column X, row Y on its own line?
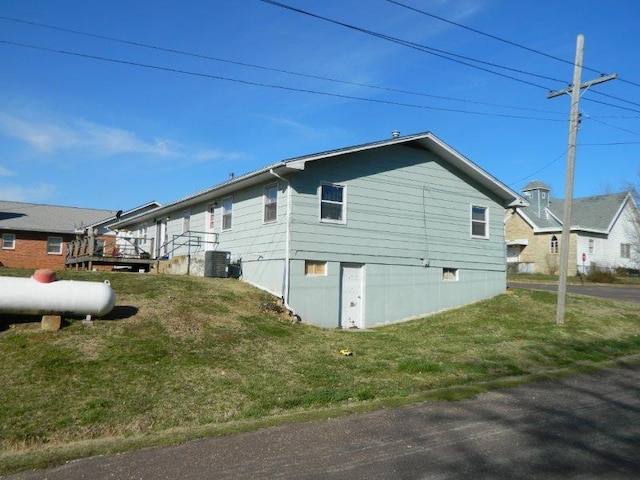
column 34, row 217
column 426, row 141
column 595, row 214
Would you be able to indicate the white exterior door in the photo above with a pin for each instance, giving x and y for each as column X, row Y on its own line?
column 352, row 296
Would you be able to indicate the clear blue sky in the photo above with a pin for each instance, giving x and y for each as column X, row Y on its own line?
column 96, row 133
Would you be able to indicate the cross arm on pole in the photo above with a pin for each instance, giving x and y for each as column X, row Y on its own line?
column 602, row 79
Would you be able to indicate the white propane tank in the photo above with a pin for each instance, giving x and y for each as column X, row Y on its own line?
column 42, row 294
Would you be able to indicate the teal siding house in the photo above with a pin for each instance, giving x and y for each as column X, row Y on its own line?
column 353, row 238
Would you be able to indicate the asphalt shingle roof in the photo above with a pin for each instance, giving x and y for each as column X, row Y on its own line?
column 588, row 213
column 591, row 213
column 48, row 218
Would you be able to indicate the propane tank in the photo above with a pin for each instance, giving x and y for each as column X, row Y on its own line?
column 42, row 294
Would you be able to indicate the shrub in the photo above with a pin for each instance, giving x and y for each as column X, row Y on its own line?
column 599, row 274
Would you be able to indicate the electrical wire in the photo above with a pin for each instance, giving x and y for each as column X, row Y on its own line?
column 261, row 67
column 267, row 85
column 449, row 55
column 514, row 44
column 423, row 48
column 544, row 167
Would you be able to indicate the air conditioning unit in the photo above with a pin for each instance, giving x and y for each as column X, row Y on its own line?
column 216, row 264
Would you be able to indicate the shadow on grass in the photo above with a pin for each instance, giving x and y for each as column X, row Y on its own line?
column 119, row 312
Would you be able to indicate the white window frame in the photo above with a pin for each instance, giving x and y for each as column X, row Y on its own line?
column 211, row 221
column 592, row 246
column 484, row 222
column 625, row 250
column 186, row 221
column 227, row 213
column 270, row 204
column 12, row 242
column 59, row 252
column 343, row 203
column 5, row 241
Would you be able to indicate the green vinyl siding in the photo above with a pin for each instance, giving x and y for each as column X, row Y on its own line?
column 260, row 246
column 402, row 206
column 249, row 237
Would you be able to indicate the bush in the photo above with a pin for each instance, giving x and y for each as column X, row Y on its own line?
column 600, row 275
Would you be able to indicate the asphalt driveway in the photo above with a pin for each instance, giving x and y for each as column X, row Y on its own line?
column 627, row 293
column 584, row 427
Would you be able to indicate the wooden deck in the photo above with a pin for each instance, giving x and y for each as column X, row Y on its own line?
column 89, row 262
column 83, row 254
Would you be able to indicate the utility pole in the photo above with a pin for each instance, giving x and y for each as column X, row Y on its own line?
column 574, row 122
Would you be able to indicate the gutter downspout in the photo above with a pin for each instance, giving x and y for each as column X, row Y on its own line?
column 287, row 255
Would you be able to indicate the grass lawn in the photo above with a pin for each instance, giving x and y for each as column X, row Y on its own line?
column 184, row 357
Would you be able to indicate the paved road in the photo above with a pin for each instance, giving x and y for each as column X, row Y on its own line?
column 627, row 293
column 584, row 427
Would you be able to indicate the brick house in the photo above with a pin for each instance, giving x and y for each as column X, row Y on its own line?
column 35, row 235
column 602, row 232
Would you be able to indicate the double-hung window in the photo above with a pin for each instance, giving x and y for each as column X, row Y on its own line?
column 54, row 245
column 333, row 203
column 212, row 217
column 270, row 199
column 227, row 208
column 479, row 221
column 553, row 245
column 625, row 250
column 186, row 221
column 8, row 241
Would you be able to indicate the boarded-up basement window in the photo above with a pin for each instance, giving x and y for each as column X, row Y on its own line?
column 312, row 267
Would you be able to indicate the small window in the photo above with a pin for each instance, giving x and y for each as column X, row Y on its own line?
column 553, row 245
column 314, row 268
column 450, row 274
column 270, row 199
column 332, row 203
column 98, row 248
column 8, row 241
column 592, row 244
column 227, row 207
column 212, row 216
column 186, row 221
column 625, row 250
column 54, row 245
column 479, row 222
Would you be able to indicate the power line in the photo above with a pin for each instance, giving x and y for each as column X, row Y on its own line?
column 514, row 44
column 267, row 85
column 544, row 167
column 612, row 126
column 261, row 67
column 494, row 37
column 444, row 54
column 423, row 48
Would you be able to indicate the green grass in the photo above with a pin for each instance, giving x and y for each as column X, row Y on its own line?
column 183, row 357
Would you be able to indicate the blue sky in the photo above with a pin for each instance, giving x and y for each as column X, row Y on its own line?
column 109, row 133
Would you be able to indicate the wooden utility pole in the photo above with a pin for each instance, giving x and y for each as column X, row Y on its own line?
column 574, row 122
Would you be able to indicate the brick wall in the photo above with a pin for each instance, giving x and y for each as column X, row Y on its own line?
column 31, row 251
column 538, row 250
